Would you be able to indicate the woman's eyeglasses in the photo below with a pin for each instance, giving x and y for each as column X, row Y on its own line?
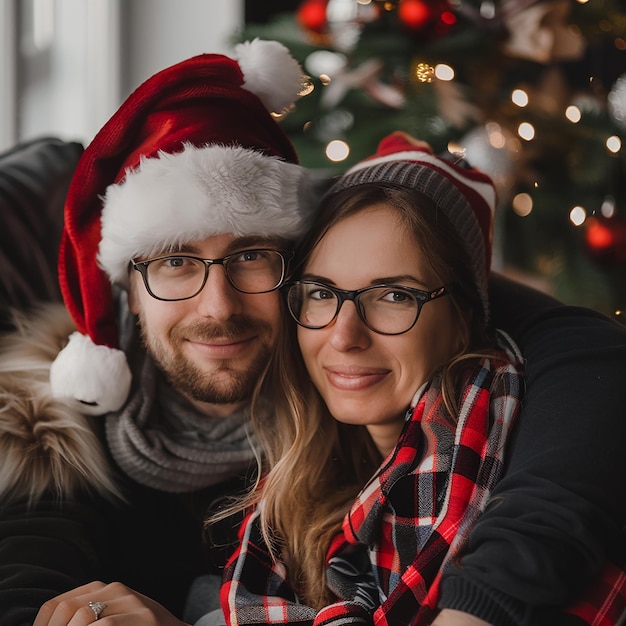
column 385, row 309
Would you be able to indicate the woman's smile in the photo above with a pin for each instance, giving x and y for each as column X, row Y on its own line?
column 354, row 378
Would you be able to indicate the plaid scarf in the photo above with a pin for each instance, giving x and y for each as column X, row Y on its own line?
column 408, row 522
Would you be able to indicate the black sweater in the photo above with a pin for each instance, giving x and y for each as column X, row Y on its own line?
column 559, row 510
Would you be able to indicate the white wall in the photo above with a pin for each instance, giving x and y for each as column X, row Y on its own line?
column 67, row 67
column 163, row 32
column 8, row 73
column 98, row 51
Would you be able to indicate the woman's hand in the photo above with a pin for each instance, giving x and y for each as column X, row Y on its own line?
column 124, row 607
column 450, row 617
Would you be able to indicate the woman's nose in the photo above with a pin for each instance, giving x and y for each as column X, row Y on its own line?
column 348, row 331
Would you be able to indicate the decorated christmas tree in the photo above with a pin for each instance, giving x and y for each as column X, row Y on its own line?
column 533, row 92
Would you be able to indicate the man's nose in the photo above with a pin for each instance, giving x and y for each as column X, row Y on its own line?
column 218, row 299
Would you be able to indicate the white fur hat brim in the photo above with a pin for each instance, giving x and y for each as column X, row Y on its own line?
column 173, row 199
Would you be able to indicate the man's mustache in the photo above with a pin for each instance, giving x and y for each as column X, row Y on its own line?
column 232, row 329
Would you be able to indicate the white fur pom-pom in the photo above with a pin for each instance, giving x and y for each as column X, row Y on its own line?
column 271, row 73
column 97, row 376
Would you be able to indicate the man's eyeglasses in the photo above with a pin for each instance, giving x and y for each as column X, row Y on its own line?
column 182, row 276
column 385, row 309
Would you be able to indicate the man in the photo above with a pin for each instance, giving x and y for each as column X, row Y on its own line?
column 121, row 494
column 181, row 212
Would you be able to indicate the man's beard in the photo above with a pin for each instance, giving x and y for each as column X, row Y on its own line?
column 222, row 384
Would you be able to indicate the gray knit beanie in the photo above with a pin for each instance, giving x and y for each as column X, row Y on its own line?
column 465, row 195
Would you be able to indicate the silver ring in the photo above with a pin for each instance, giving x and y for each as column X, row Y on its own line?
column 97, row 608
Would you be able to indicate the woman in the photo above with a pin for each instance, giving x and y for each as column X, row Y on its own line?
column 390, row 433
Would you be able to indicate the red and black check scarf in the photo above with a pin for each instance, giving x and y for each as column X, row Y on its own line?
column 409, row 521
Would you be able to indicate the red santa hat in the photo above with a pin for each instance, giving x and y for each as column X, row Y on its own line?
column 193, row 152
column 466, row 196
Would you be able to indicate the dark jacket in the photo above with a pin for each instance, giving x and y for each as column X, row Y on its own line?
column 154, row 544
column 75, row 531
column 560, row 509
column 68, row 514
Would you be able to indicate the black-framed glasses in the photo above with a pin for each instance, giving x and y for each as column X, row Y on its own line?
column 385, row 309
column 182, row 276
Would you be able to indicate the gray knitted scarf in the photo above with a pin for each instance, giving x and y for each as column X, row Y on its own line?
column 161, row 441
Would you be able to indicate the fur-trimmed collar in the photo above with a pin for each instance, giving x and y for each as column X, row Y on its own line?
column 46, row 443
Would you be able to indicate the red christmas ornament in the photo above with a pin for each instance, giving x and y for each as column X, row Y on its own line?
column 311, row 15
column 414, row 14
column 448, row 18
column 428, row 18
column 605, row 239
